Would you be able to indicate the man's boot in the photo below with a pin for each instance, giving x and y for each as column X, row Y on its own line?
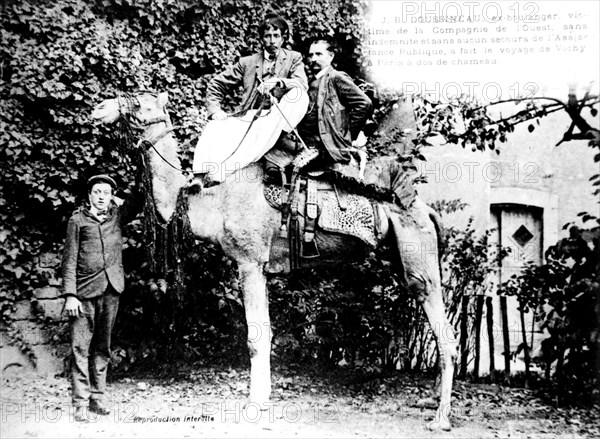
column 272, row 173
column 300, row 161
column 197, row 184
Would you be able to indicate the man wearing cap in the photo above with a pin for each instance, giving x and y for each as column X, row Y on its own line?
column 93, row 279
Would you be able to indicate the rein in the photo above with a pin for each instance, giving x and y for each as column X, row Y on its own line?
column 126, row 106
column 263, row 105
column 166, row 242
column 149, row 145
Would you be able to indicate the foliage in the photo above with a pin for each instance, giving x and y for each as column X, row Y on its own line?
column 469, row 262
column 467, row 122
column 565, row 292
column 354, row 314
column 61, row 58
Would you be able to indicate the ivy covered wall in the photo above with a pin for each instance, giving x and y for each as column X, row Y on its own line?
column 60, row 59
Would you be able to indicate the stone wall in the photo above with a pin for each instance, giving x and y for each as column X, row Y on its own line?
column 43, row 326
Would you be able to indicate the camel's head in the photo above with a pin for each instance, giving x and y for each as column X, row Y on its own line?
column 141, row 109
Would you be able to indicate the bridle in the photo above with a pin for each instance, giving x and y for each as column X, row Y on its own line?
column 127, row 107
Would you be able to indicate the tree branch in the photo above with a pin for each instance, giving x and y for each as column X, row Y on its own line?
column 573, row 109
column 521, row 100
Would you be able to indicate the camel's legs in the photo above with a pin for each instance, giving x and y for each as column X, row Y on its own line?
column 256, row 304
column 417, row 243
column 444, row 334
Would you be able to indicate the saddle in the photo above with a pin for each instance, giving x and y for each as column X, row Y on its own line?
column 312, row 202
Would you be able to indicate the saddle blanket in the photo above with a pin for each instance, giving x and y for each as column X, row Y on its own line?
column 357, row 219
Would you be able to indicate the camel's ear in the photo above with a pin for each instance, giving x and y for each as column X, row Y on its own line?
column 163, row 98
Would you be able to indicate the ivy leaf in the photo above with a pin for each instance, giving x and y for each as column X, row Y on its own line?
column 18, row 272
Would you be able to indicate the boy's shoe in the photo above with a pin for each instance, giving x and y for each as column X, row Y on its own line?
column 98, row 407
column 80, row 414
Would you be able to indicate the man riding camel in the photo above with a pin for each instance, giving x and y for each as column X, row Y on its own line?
column 337, row 113
column 274, row 100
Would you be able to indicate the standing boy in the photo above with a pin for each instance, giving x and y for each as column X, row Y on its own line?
column 93, row 279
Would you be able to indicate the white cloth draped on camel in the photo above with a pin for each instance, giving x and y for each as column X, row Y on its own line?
column 219, row 151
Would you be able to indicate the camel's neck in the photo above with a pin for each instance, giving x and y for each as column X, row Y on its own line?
column 234, row 213
column 166, row 181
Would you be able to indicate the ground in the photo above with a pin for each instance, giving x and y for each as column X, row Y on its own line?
column 209, row 402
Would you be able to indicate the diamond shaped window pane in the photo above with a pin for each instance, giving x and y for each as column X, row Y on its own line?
column 522, row 236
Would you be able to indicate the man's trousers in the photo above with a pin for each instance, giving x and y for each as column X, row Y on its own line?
column 90, row 347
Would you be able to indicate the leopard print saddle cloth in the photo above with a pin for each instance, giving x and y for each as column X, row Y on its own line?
column 340, row 212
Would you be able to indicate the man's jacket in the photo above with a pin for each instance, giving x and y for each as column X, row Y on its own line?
column 248, row 72
column 92, row 256
column 343, row 110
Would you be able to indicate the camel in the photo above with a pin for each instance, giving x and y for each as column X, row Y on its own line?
column 236, row 216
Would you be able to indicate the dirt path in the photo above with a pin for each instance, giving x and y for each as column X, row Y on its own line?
column 210, row 403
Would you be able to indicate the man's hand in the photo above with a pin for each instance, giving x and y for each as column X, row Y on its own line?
column 268, row 85
column 73, row 306
column 219, row 115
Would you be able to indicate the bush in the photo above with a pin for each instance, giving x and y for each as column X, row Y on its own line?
column 565, row 293
column 362, row 315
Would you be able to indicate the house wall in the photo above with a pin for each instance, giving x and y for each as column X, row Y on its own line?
column 531, row 172
column 529, row 168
